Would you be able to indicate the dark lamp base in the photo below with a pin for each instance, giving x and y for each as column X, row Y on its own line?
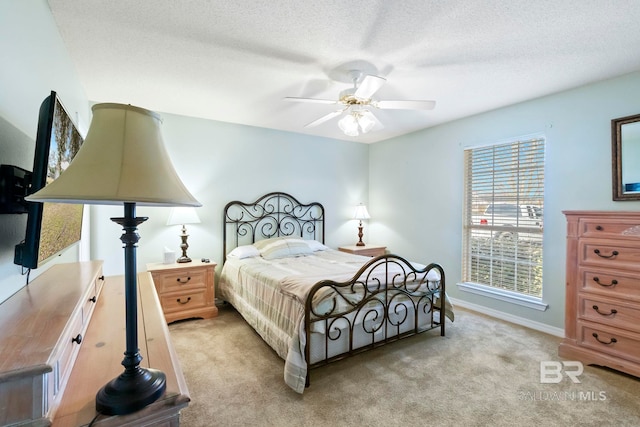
column 183, row 259
column 131, row 392
column 360, row 244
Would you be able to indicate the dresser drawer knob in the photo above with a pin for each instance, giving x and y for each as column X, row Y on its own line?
column 77, row 339
column 179, row 280
column 613, row 254
column 93, row 299
column 183, row 302
column 611, row 313
column 611, row 341
column 599, row 228
column 597, row 280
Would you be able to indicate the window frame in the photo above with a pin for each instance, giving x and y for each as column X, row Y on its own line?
column 532, row 205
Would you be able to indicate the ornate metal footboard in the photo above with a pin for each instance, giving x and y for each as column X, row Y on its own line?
column 386, row 300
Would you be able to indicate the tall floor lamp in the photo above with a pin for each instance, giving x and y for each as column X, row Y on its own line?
column 123, row 161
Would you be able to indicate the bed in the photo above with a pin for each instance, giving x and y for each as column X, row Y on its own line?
column 313, row 304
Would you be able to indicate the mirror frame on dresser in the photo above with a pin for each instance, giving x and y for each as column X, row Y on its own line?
column 619, row 192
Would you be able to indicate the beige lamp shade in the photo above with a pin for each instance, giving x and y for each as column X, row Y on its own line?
column 183, row 215
column 361, row 212
column 123, row 159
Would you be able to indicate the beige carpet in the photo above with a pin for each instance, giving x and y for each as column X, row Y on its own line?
column 485, row 372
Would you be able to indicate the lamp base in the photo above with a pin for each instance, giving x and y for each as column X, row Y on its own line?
column 131, row 391
column 183, row 259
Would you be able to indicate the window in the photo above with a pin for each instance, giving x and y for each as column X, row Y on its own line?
column 503, row 219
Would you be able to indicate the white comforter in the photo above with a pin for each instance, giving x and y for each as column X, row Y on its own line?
column 269, row 294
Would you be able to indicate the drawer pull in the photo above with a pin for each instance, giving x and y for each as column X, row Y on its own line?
column 183, row 302
column 101, row 278
column 93, row 299
column 611, row 341
column 599, row 227
column 597, row 280
column 179, row 280
column 613, row 254
column 77, row 339
column 611, row 313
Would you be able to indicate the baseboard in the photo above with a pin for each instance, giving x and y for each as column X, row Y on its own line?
column 541, row 327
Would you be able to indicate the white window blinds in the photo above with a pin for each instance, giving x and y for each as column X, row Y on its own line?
column 503, row 216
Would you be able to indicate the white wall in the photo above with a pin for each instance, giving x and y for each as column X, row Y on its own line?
column 220, row 162
column 416, row 181
column 34, row 62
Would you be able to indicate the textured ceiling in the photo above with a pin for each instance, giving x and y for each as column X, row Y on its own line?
column 234, row 60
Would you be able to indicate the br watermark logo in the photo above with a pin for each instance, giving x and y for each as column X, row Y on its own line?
column 555, row 372
column 552, row 372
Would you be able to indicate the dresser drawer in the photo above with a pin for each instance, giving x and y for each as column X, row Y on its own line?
column 620, row 284
column 609, row 254
column 178, row 280
column 622, row 344
column 625, row 228
column 68, row 348
column 183, row 301
column 610, row 312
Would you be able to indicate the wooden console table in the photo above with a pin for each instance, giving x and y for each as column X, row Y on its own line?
column 65, row 340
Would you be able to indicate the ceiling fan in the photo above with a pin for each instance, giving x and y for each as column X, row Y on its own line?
column 358, row 101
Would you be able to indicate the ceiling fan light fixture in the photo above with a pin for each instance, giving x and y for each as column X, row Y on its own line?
column 349, row 125
column 366, row 122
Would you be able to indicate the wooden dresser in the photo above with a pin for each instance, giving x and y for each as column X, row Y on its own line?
column 186, row 290
column 602, row 317
column 62, row 339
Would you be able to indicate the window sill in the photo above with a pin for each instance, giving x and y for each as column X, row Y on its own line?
column 503, row 295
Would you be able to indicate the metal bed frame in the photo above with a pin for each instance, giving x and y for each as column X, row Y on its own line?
column 388, row 299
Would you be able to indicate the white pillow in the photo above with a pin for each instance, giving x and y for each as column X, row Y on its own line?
column 247, row 251
column 433, row 275
column 314, row 245
column 281, row 247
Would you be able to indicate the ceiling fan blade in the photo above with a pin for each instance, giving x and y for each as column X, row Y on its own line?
column 370, row 85
column 324, row 118
column 310, row 100
column 406, row 105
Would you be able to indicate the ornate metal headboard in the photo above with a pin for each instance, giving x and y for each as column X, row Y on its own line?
column 272, row 215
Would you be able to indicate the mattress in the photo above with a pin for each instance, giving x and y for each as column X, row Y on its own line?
column 270, row 294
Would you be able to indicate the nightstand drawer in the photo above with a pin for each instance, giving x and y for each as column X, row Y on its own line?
column 183, row 301
column 170, row 281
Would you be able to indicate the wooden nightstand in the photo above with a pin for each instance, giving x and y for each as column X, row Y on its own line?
column 368, row 250
column 185, row 290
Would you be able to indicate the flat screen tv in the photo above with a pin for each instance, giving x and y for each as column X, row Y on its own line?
column 51, row 227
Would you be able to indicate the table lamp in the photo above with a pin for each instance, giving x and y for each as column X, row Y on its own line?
column 182, row 216
column 123, row 161
column 360, row 214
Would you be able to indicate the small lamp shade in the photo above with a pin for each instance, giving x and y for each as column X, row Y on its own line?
column 183, row 215
column 361, row 212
